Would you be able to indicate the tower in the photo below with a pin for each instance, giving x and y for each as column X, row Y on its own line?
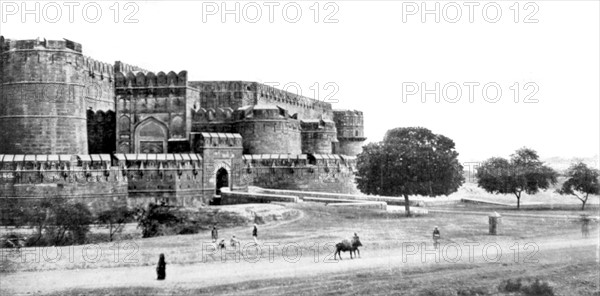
column 350, row 132
column 42, row 107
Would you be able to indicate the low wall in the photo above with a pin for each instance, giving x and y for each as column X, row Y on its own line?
column 232, row 198
column 379, row 205
column 398, row 201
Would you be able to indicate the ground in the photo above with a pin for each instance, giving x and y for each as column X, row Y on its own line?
column 393, row 258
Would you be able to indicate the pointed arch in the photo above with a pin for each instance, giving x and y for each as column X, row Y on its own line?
column 151, row 136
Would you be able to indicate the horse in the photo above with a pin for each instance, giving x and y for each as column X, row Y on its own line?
column 346, row 245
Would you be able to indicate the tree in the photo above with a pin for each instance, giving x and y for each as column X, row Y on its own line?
column 36, row 215
column 58, row 221
column 409, row 161
column 524, row 172
column 156, row 218
column 72, row 221
column 115, row 219
column 581, row 182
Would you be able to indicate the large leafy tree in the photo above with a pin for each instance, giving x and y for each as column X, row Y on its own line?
column 409, row 161
column 581, row 182
column 524, row 172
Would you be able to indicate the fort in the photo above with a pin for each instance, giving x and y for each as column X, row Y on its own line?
column 71, row 126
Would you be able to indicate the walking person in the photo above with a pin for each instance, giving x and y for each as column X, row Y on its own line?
column 161, row 268
column 436, row 238
column 214, row 234
column 255, row 234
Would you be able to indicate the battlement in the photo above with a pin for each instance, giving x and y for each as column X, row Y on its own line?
column 260, row 94
column 317, row 125
column 98, row 69
column 122, row 67
column 202, row 141
column 351, row 113
column 172, row 161
column 37, row 44
column 297, row 160
column 261, row 112
column 132, row 79
column 212, row 115
column 278, row 95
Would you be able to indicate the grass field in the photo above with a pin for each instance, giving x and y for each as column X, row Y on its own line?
column 568, row 262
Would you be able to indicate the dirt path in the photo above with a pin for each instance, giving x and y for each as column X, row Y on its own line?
column 216, row 272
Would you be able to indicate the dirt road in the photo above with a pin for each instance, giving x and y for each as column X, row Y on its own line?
column 290, row 264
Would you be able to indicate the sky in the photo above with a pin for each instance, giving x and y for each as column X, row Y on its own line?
column 381, row 57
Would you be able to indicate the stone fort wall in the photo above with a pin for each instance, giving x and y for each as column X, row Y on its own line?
column 74, row 127
column 236, row 94
column 319, row 172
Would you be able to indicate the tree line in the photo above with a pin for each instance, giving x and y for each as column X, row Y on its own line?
column 415, row 161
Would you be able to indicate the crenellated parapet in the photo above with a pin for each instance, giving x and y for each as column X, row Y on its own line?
column 237, row 94
column 122, row 67
column 149, row 80
column 38, row 44
column 64, row 52
column 97, row 69
column 272, row 95
column 159, row 167
column 58, row 169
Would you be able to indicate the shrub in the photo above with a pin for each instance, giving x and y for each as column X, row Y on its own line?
column 472, row 291
column 510, row 285
column 538, row 288
column 160, row 220
column 528, row 287
column 115, row 219
column 12, row 241
column 59, row 222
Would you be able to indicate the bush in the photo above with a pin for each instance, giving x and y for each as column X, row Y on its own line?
column 115, row 219
column 160, row 220
column 538, row 288
column 472, row 291
column 12, row 240
column 528, row 287
column 59, row 222
column 510, row 285
column 438, row 292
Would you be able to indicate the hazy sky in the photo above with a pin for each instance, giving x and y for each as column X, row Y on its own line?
column 369, row 55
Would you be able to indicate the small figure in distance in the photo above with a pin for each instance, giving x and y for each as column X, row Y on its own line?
column 214, row 234
column 436, row 238
column 255, row 234
column 234, row 241
column 161, row 268
column 222, row 244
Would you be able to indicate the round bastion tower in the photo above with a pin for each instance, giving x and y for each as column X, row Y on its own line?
column 350, row 131
column 42, row 102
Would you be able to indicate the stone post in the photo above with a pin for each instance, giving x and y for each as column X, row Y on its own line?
column 494, row 220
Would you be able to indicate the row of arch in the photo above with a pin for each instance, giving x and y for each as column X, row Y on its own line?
column 139, row 79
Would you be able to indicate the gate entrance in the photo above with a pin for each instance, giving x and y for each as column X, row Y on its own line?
column 222, row 180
